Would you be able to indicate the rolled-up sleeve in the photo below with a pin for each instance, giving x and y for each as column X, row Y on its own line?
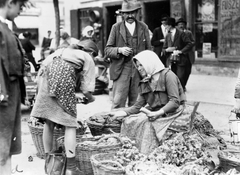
column 137, row 106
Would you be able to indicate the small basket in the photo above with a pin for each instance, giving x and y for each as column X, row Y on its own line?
column 103, row 164
column 37, row 133
column 227, row 163
column 99, row 129
column 84, row 152
column 104, row 126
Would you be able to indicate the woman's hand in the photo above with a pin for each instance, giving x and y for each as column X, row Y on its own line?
column 90, row 98
column 117, row 115
column 152, row 115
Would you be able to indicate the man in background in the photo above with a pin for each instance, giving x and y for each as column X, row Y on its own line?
column 158, row 38
column 12, row 87
column 181, row 24
column 29, row 47
column 45, row 45
column 126, row 39
column 178, row 44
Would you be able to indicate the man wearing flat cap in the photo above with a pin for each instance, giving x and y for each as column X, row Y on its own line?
column 126, row 39
column 158, row 38
column 181, row 24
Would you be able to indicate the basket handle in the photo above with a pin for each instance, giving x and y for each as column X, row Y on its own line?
column 111, row 161
column 109, row 136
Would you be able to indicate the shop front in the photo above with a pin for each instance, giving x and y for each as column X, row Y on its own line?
column 216, row 28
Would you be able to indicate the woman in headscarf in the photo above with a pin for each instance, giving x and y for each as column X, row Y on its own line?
column 56, row 100
column 160, row 101
column 87, row 33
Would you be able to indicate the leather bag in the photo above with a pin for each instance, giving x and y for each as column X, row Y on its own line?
column 175, row 58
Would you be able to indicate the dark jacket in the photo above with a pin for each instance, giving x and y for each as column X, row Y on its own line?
column 155, row 41
column 27, row 45
column 181, row 42
column 191, row 53
column 11, row 67
column 117, row 38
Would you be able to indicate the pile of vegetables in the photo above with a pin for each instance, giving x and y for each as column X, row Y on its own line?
column 128, row 152
column 104, row 140
column 180, row 150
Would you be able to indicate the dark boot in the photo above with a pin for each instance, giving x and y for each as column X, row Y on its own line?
column 71, row 168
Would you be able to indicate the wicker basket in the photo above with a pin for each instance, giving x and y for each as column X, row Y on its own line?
column 37, row 133
column 226, row 163
column 103, row 164
column 84, row 153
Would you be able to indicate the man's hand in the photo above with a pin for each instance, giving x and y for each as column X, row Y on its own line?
column 125, row 50
column 170, row 49
column 162, row 40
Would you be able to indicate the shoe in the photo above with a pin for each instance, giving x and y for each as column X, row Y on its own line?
column 73, row 172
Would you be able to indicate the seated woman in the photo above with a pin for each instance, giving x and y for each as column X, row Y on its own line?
column 160, row 101
column 56, row 100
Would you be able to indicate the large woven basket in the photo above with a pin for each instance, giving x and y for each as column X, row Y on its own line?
column 103, row 164
column 37, row 133
column 84, row 153
column 227, row 163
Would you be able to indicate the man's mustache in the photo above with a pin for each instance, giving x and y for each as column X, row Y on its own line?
column 130, row 18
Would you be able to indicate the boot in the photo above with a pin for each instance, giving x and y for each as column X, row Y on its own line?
column 71, row 167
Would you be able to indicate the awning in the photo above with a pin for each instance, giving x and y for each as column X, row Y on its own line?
column 24, row 22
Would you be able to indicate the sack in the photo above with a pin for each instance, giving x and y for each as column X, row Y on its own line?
column 55, row 164
column 175, row 58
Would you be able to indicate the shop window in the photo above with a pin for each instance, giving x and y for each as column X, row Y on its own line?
column 229, row 27
column 206, row 28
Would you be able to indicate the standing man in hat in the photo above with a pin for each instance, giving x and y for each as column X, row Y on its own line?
column 12, row 87
column 177, row 43
column 181, row 24
column 158, row 38
column 126, row 39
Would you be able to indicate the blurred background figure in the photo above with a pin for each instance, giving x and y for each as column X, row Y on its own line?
column 46, row 45
column 158, row 38
column 87, row 33
column 28, row 47
column 182, row 25
column 65, row 41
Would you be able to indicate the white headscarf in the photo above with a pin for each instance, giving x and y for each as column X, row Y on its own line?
column 150, row 61
column 86, row 30
column 152, row 65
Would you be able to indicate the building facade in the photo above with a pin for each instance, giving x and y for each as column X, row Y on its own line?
column 214, row 23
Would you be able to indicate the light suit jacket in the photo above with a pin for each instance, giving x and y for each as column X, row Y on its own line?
column 117, row 38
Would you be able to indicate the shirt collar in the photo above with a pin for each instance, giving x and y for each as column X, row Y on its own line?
column 173, row 31
column 130, row 25
column 2, row 19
